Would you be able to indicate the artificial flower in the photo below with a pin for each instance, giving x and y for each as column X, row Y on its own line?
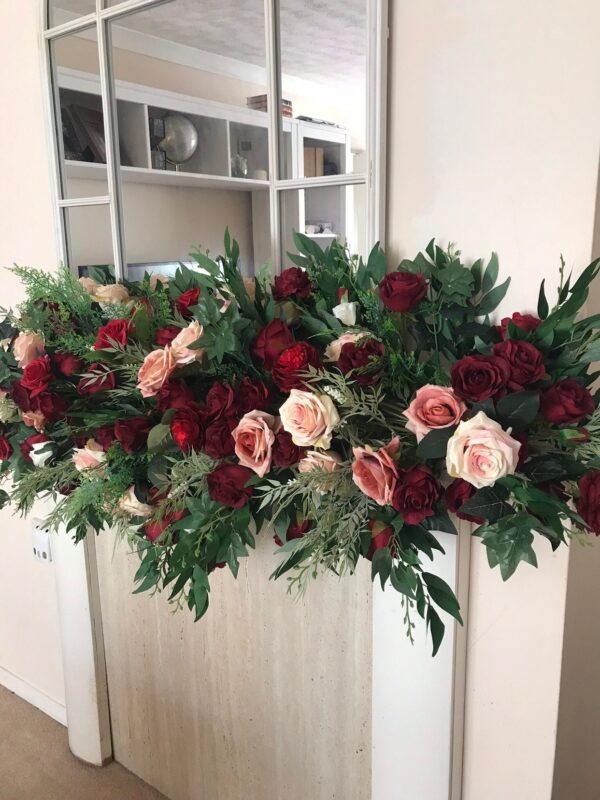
column 310, row 418
column 402, row 291
column 254, row 437
column 375, row 471
column 481, row 452
column 433, row 407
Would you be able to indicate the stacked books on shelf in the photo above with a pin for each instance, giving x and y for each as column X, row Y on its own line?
column 259, row 102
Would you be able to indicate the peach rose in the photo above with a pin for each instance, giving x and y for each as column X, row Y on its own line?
column 254, row 437
column 433, row 407
column 375, row 471
column 155, row 370
column 481, row 452
column 250, row 285
column 327, row 460
column 309, row 418
column 333, row 350
column 131, row 505
column 34, row 419
column 27, row 347
column 157, row 278
column 113, row 293
column 180, row 344
column 88, row 457
column 89, row 284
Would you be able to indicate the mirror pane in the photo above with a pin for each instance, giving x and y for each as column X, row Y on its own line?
column 89, row 235
column 61, row 11
column 324, row 85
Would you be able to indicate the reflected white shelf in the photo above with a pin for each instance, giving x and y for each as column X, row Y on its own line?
column 322, row 235
column 91, row 171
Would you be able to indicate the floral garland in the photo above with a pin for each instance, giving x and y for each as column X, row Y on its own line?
column 353, row 409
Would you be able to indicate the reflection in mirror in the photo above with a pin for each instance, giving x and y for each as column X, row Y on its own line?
column 61, row 11
column 324, row 69
column 89, row 235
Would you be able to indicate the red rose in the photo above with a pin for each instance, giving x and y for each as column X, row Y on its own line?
column 114, row 331
column 363, row 362
column 476, row 378
column 292, row 281
column 220, row 400
column 227, row 485
column 132, row 433
column 525, row 361
column 416, row 494
column 402, row 291
column 20, row 396
column 5, row 449
column 105, row 436
column 103, row 380
column 37, row 375
column 187, row 429
column 291, row 363
column 154, row 530
column 457, row 495
column 295, row 531
column 165, row 336
column 67, row 364
column 381, row 536
column 285, row 452
column 52, row 406
column 174, row 394
column 566, row 402
column 521, row 436
column 218, row 441
column 27, row 446
column 186, row 301
column 271, row 340
column 251, row 396
column 588, row 504
column 526, row 322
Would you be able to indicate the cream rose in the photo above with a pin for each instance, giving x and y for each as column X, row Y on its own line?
column 333, row 350
column 180, row 344
column 327, row 460
column 89, row 284
column 88, row 457
column 157, row 278
column 157, row 367
column 433, row 407
column 131, row 505
column 345, row 312
column 254, row 438
column 309, row 418
column 113, row 293
column 481, row 452
column 27, row 347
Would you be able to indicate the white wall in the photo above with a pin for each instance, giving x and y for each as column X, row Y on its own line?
column 494, row 134
column 29, row 646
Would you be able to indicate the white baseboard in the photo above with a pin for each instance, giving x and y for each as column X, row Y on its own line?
column 34, row 696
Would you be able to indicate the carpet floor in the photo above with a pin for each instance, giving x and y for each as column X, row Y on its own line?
column 36, row 763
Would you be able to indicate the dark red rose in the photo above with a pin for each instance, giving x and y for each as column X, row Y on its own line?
column 291, row 363
column 416, row 494
column 220, row 400
column 402, row 291
column 187, row 429
column 566, row 402
column 271, row 340
column 588, row 504
column 105, row 436
column 132, row 433
column 525, row 361
column 37, row 375
column 174, row 394
column 476, row 378
column 20, row 396
column 362, row 361
column 521, row 436
column 52, row 406
column 381, row 536
column 293, row 282
column 285, row 452
column 341, row 292
column 227, row 485
column 218, row 441
column 186, row 301
column 155, row 530
column 165, row 336
column 295, row 531
column 27, row 446
column 102, row 380
column 526, row 322
column 251, row 396
column 114, row 331
column 457, row 495
column 67, row 364
column 5, row 449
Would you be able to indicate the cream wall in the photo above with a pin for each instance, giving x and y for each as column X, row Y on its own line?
column 29, row 644
column 493, row 143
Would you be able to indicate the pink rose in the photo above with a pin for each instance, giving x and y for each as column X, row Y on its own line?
column 481, row 452
column 375, row 472
column 88, row 457
column 27, row 347
column 433, row 407
column 34, row 419
column 309, row 418
column 155, row 370
column 254, row 438
column 328, row 461
column 333, row 350
column 180, row 344
column 89, row 284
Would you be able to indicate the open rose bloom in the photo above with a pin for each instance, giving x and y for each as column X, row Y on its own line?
column 350, row 408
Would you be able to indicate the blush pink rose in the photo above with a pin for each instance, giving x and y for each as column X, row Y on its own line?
column 34, row 419
column 88, row 457
column 309, row 418
column 328, row 461
column 375, row 471
column 433, row 407
column 254, row 438
column 27, row 347
column 481, row 452
column 333, row 350
column 156, row 369
column 181, row 343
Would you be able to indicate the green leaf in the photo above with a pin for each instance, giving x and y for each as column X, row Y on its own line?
column 381, row 565
column 307, row 246
column 491, row 274
column 435, row 444
column 376, row 264
column 477, row 273
column 519, row 409
column 489, row 503
column 544, row 469
column 592, row 353
column 509, row 542
column 542, row 307
column 442, row 595
column 159, row 437
column 436, row 628
column 493, row 299
column 457, row 284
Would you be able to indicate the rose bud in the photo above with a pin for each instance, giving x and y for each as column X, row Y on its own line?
column 296, row 530
column 291, row 363
column 113, row 332
column 227, row 485
column 292, row 282
column 186, row 301
column 476, row 378
column 416, row 494
column 526, row 322
column 566, row 402
column 155, row 530
column 271, row 341
column 402, row 291
column 381, row 536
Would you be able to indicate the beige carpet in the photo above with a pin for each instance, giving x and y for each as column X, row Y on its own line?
column 36, row 764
